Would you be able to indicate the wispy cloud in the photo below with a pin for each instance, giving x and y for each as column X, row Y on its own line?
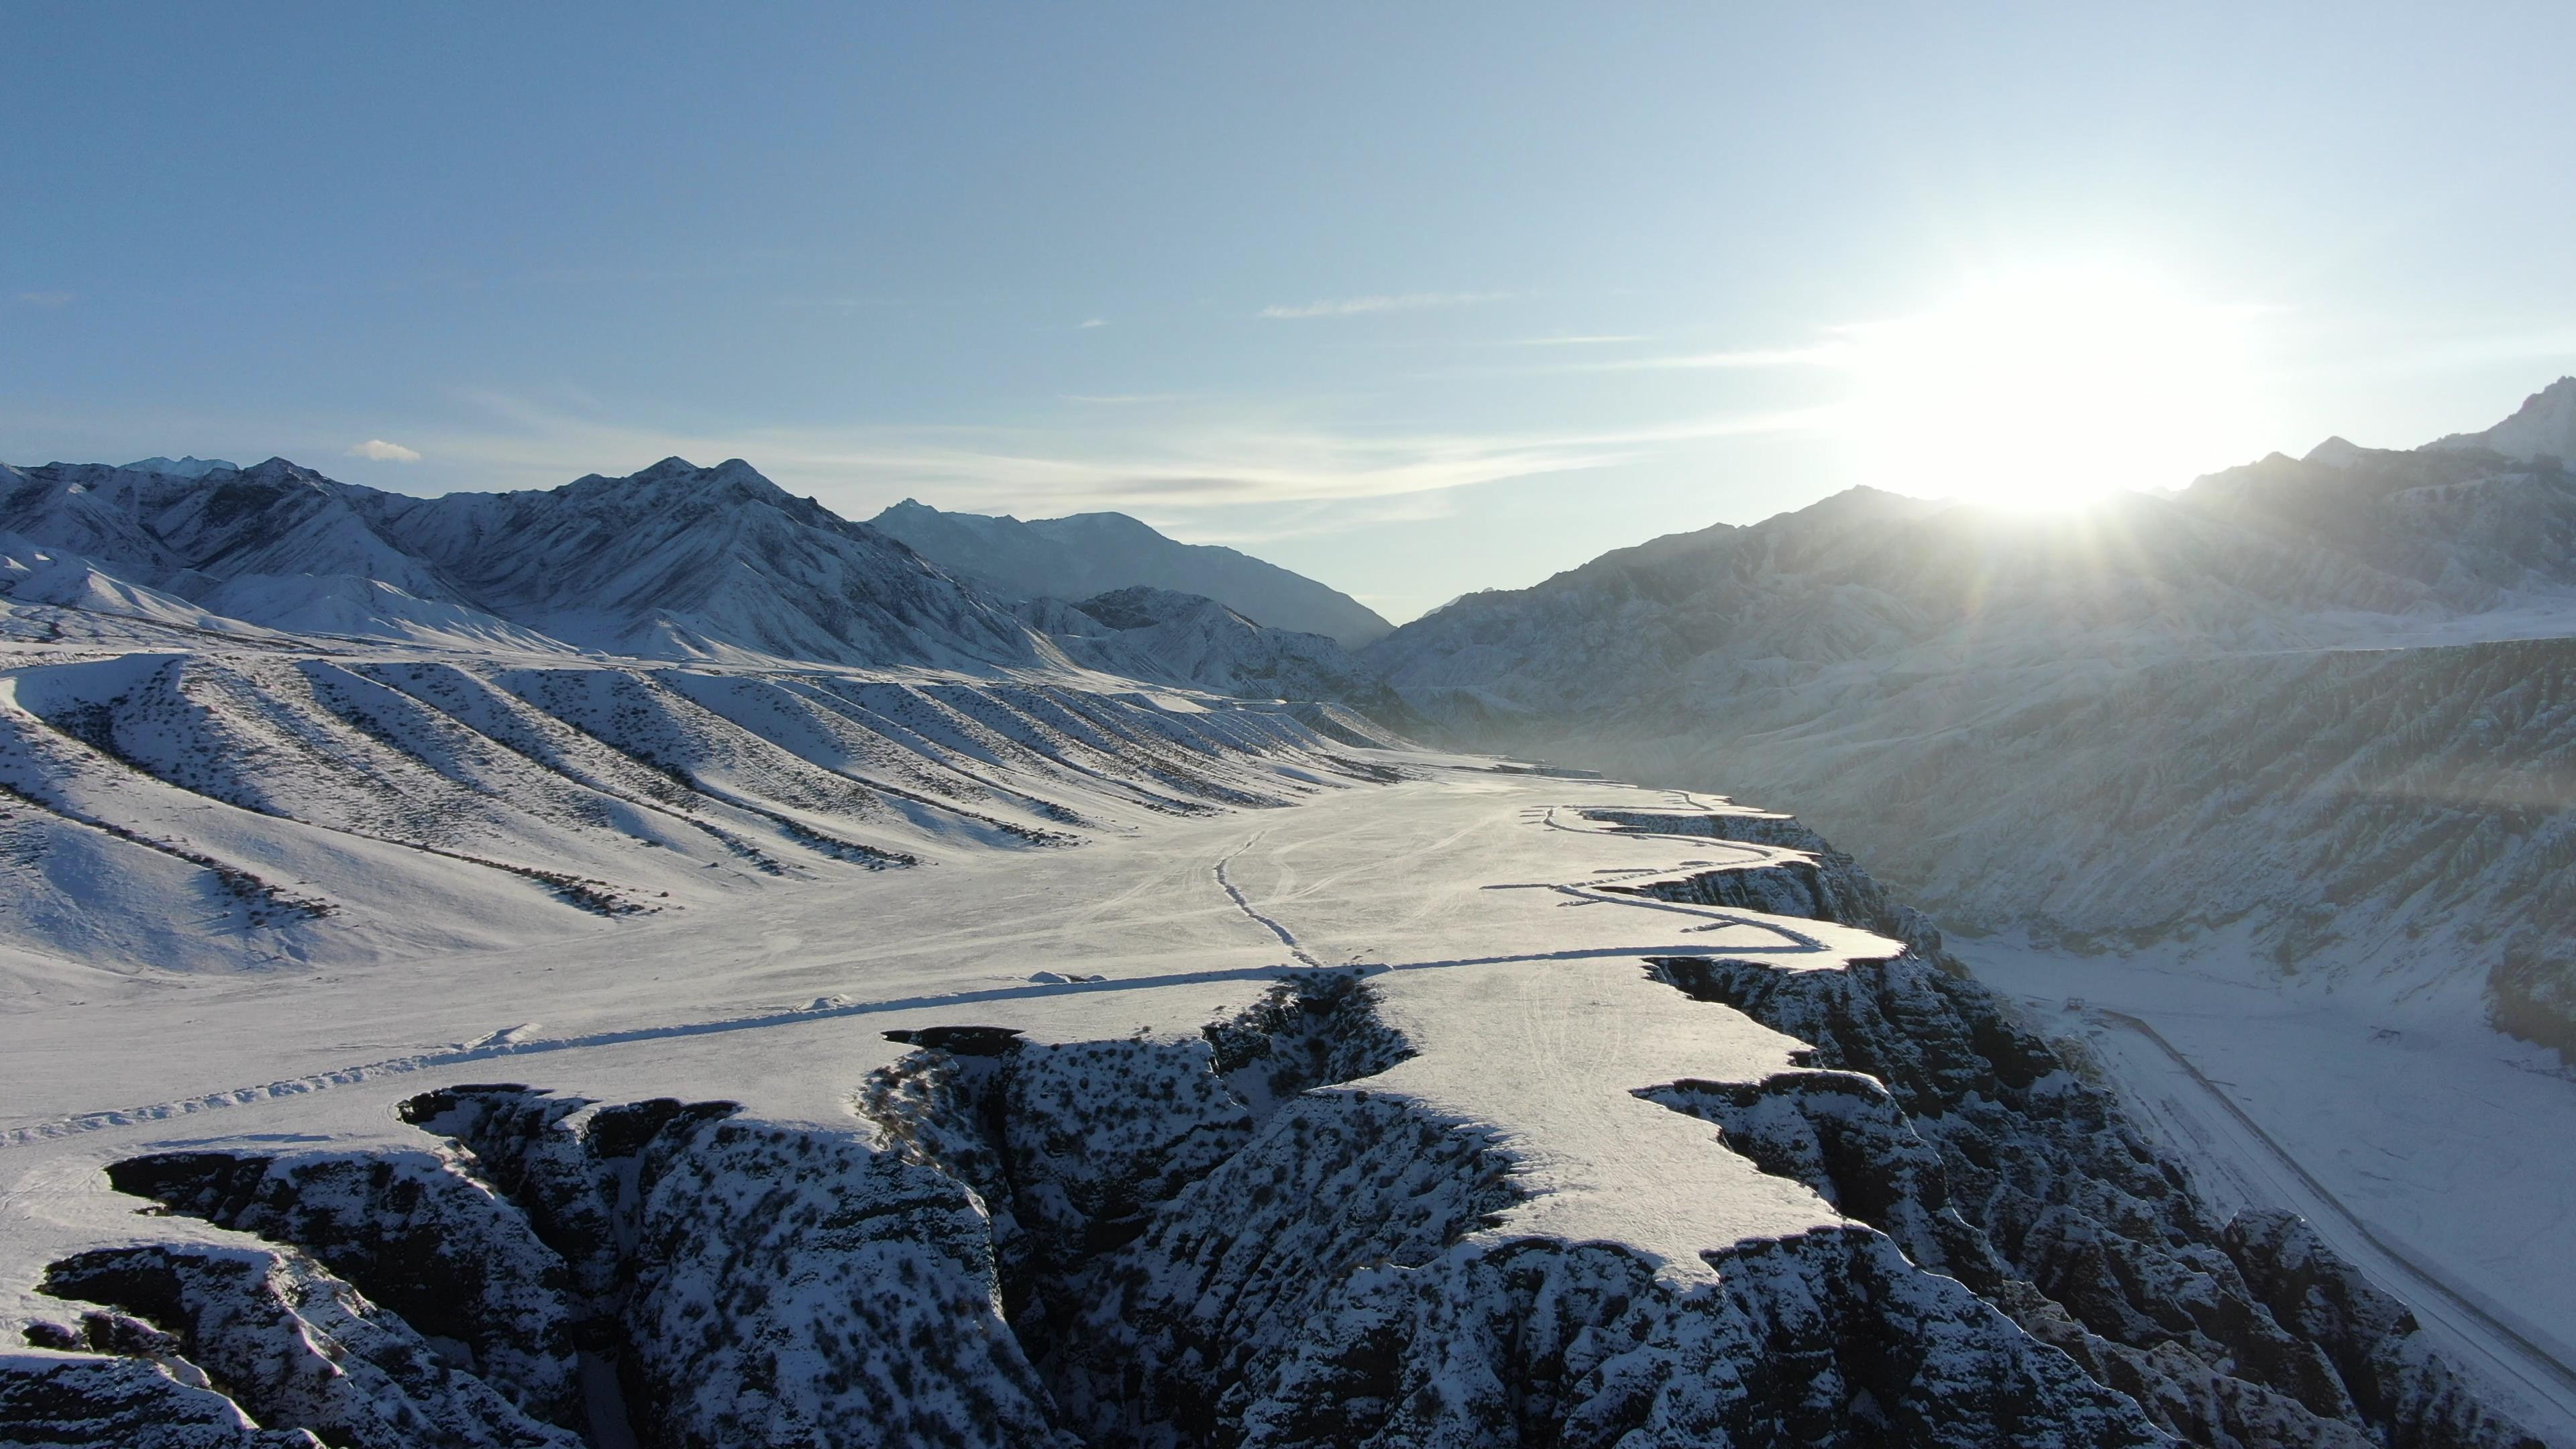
column 1821, row 354
column 1398, row 302
column 1596, row 340
column 384, row 452
column 1090, row 322
column 1124, row 399
column 46, row 299
column 1197, row 463
column 1840, row 347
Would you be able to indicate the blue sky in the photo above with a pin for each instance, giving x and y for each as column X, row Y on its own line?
column 1414, row 299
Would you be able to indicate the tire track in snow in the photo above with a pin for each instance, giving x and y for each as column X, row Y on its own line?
column 1244, row 904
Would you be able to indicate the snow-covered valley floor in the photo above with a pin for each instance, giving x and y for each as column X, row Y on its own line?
column 2433, row 1153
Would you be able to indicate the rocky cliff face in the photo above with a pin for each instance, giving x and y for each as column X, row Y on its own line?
column 1239, row 1240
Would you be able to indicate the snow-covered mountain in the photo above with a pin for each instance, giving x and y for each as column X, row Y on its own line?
column 675, row 563
column 1095, row 553
column 2038, row 721
column 1150, row 633
column 2544, row 426
column 191, row 466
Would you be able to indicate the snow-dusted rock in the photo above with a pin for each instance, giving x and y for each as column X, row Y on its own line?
column 417, row 1233
column 297, row 1346
column 132, row 1403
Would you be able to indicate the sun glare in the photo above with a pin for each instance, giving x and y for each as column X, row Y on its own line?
column 2051, row 390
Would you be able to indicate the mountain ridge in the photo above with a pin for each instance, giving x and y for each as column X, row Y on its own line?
column 1085, row 554
column 1905, row 669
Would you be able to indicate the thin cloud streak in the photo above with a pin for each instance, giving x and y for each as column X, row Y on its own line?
column 1601, row 340
column 1204, row 465
column 1822, row 354
column 1355, row 306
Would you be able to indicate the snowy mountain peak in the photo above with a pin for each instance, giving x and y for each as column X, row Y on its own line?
column 680, row 472
column 1087, row 554
column 1141, row 606
column 188, row 467
column 2544, row 426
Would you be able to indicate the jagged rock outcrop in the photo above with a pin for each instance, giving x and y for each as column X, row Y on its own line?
column 761, row 1284
column 417, row 1233
column 296, row 1346
column 2374, row 1341
column 135, row 1402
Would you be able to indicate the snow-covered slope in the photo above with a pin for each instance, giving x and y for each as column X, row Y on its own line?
column 1094, row 553
column 2040, row 721
column 675, row 562
column 226, row 811
column 701, row 563
column 191, row 466
column 1150, row 633
column 2544, row 426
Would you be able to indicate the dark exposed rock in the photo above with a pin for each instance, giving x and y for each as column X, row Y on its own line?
column 763, row 1285
column 965, row 1041
column 131, row 1403
column 415, row 1232
column 2399, row 1383
column 285, row 1339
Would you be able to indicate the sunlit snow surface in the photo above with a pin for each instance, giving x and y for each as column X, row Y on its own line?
column 1471, row 895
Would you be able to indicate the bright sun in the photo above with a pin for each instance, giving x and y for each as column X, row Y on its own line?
column 2052, row 389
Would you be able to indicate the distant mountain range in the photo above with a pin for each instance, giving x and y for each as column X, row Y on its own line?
column 676, row 562
column 1092, row 553
column 2299, row 705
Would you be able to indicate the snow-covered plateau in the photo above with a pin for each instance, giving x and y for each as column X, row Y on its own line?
column 559, row 1001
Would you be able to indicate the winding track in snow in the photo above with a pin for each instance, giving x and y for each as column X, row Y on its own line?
column 1244, row 904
